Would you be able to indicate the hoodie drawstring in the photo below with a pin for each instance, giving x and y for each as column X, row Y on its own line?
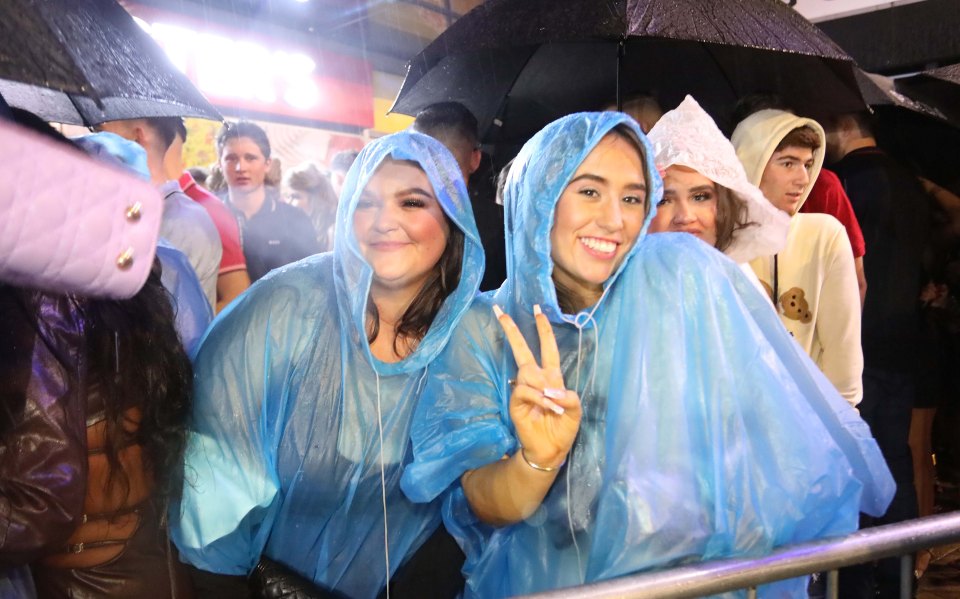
column 581, row 320
column 383, row 488
column 776, row 281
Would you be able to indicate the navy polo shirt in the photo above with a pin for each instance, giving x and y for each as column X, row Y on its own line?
column 276, row 235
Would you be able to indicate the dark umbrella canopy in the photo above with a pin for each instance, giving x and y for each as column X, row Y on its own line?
column 86, row 62
column 913, row 131
column 937, row 87
column 517, row 64
column 881, row 92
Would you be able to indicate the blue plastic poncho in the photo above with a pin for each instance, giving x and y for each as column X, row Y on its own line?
column 284, row 458
column 706, row 431
column 190, row 305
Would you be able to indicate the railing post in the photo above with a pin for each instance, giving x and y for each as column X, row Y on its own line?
column 906, row 575
column 833, row 584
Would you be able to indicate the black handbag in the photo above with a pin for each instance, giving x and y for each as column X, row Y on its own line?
column 273, row 580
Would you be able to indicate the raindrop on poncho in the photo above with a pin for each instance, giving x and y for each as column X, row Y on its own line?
column 284, row 458
column 706, row 431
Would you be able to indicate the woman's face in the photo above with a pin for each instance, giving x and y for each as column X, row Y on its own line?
column 599, row 216
column 244, row 165
column 298, row 198
column 400, row 227
column 689, row 205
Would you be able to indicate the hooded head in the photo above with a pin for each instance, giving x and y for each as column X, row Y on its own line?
column 354, row 274
column 756, row 140
column 688, row 137
column 539, row 176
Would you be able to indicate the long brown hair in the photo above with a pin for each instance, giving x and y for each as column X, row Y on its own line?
column 731, row 216
column 441, row 282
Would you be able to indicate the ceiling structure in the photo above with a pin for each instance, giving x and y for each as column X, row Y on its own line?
column 825, row 10
column 387, row 33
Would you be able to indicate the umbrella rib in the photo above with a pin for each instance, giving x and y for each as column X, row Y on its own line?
column 722, row 70
column 506, row 97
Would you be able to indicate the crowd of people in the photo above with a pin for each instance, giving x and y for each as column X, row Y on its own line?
column 641, row 344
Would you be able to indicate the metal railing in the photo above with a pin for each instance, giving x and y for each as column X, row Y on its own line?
column 719, row 576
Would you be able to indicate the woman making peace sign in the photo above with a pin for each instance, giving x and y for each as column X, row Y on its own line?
column 646, row 413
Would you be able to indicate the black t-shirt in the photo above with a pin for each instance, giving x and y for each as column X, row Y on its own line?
column 276, row 235
column 894, row 215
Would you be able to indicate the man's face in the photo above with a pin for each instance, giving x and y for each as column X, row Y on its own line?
column 834, row 144
column 786, row 177
column 244, row 165
column 468, row 158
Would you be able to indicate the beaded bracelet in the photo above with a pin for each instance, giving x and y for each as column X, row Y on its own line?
column 523, row 456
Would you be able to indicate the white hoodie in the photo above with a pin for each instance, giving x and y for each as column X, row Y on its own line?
column 815, row 278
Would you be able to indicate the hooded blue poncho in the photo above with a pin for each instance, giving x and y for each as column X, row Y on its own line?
column 284, row 456
column 706, row 431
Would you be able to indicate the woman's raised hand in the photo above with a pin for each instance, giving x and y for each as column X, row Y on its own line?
column 545, row 414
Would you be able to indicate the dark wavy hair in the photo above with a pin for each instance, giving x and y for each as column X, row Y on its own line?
column 136, row 358
column 441, row 282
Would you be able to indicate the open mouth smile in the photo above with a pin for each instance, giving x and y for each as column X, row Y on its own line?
column 600, row 248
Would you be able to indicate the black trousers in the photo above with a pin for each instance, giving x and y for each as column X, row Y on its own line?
column 888, row 399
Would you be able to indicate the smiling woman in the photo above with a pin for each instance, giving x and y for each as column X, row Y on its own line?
column 625, row 402
column 306, row 386
column 598, row 217
column 414, row 252
column 689, row 205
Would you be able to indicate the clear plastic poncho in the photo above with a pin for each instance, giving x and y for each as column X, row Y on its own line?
column 706, row 432
column 688, row 136
column 284, row 457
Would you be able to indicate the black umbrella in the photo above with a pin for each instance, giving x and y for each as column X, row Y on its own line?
column 882, row 95
column 937, row 87
column 518, row 64
column 86, row 62
column 913, row 131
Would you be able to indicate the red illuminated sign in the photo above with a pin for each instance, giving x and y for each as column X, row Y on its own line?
column 241, row 71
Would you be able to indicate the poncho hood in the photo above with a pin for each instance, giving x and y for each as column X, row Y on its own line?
column 687, row 136
column 353, row 274
column 757, row 137
column 540, row 173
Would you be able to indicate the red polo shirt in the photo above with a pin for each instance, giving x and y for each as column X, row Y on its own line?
column 223, row 219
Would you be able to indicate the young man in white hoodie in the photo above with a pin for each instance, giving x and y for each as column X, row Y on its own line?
column 813, row 281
